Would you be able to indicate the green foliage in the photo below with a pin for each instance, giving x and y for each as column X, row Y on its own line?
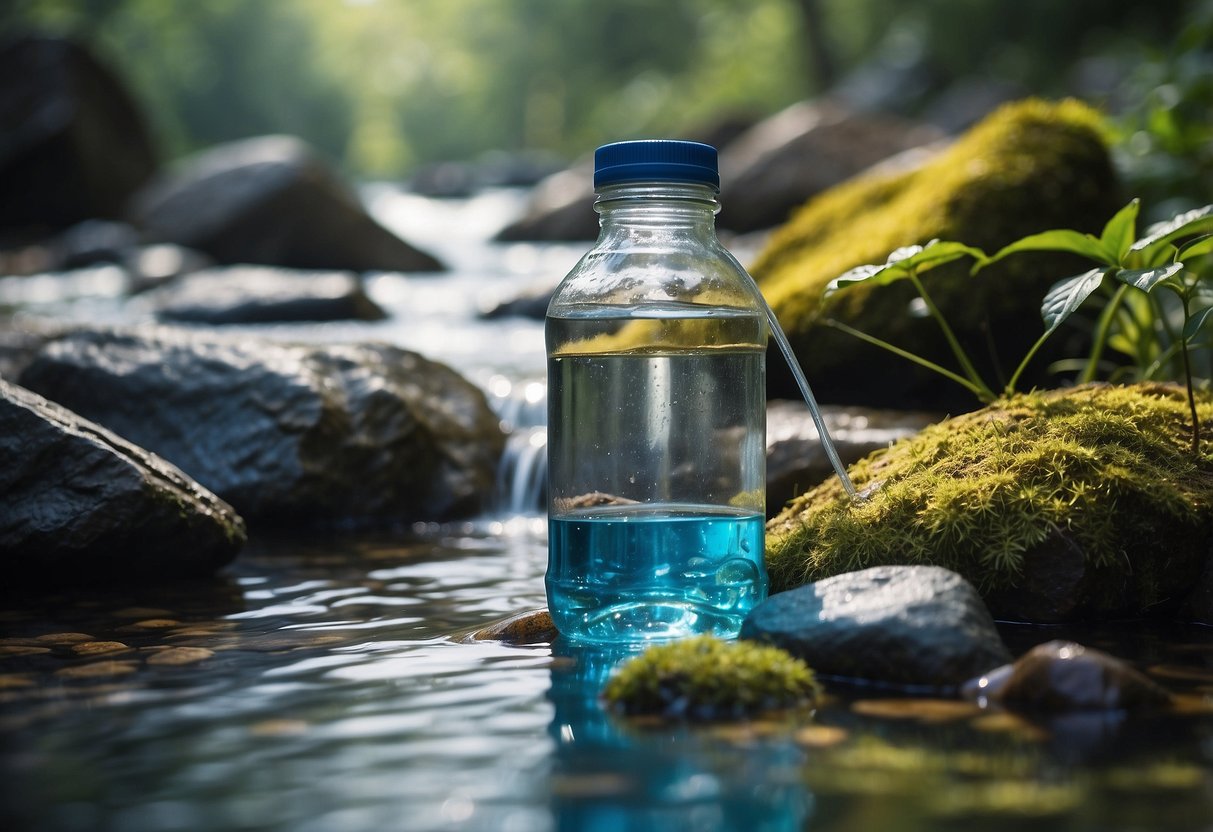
column 706, row 678
column 1104, row 471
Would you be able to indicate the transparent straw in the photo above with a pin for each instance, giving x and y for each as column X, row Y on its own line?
column 803, row 383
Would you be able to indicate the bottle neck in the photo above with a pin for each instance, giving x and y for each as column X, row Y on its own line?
column 665, row 205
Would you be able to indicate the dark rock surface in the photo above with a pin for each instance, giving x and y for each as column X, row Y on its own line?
column 360, row 433
column 801, row 151
column 73, row 145
column 901, row 626
column 1064, row 676
column 271, row 201
column 796, row 459
column 261, row 294
column 561, row 208
column 81, row 504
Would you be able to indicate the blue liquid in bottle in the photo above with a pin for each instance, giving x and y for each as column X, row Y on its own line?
column 659, row 571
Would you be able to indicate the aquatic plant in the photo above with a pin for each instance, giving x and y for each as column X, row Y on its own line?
column 705, row 678
column 1092, row 489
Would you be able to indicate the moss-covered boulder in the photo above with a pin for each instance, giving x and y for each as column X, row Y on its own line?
column 1057, row 505
column 704, row 678
column 1028, row 167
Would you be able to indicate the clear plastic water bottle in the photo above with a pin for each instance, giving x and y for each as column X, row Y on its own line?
column 656, row 344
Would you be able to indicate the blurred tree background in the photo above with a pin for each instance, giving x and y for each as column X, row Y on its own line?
column 382, row 86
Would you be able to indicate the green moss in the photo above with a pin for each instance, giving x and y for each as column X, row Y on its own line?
column 1104, row 472
column 705, row 678
column 1028, row 167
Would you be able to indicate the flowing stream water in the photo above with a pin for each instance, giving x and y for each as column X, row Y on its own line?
column 330, row 683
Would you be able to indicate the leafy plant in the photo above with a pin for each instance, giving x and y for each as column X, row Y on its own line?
column 1137, row 326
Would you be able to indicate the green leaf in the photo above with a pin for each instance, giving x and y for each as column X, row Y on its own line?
column 1149, row 279
column 1067, row 295
column 1197, row 221
column 1197, row 322
column 901, row 262
column 1061, row 239
column 1196, row 248
column 1118, row 234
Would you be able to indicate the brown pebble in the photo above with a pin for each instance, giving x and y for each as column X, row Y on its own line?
column 18, row 650
column 1001, row 722
column 96, row 648
column 926, row 710
column 1180, row 673
column 819, row 736
column 64, row 638
column 279, row 728
column 97, row 669
column 157, row 623
column 9, row 681
column 531, row 627
column 180, row 655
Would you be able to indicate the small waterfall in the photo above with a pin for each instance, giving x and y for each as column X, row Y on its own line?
column 522, row 474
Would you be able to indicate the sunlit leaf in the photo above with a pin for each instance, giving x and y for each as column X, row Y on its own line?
column 1196, row 248
column 900, row 263
column 1149, row 279
column 1197, row 322
column 1118, row 234
column 1196, row 221
column 1061, row 239
column 1067, row 295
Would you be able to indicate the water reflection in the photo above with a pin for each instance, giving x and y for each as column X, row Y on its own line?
column 610, row 774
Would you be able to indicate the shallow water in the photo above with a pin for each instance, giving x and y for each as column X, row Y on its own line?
column 329, row 683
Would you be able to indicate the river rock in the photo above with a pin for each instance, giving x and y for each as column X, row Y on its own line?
column 261, row 294
column 561, row 207
column 82, row 504
column 74, row 144
column 801, row 151
column 901, row 626
column 271, row 201
column 796, row 459
column 1064, row 676
column 155, row 265
column 358, row 433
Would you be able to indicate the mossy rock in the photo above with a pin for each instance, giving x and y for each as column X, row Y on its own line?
column 1028, row 167
column 1059, row 505
column 705, row 678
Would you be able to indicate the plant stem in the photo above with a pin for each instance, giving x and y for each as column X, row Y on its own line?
column 1188, row 379
column 1010, row 388
column 957, row 350
column 983, row 394
column 1101, row 334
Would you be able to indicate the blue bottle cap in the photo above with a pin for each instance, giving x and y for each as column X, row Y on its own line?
column 656, row 160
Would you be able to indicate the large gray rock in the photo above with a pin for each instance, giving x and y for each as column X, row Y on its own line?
column 902, row 626
column 81, row 504
column 261, row 294
column 73, row 145
column 779, row 163
column 272, row 201
column 323, row 435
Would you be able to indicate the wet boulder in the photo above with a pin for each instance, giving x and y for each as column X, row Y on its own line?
column 81, row 504
column 73, row 144
column 1058, row 505
column 1064, row 676
column 260, row 294
column 350, row 434
column 271, row 201
column 1028, row 167
column 900, row 626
